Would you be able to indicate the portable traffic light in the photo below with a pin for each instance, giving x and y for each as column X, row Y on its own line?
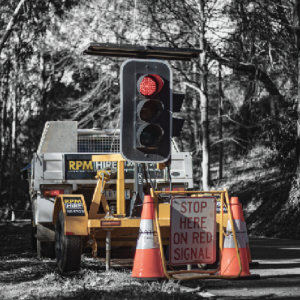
column 146, row 110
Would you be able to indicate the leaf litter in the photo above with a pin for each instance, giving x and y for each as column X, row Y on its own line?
column 23, row 276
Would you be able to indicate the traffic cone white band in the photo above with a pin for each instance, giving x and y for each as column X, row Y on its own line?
column 238, row 225
column 147, row 237
column 239, row 232
column 229, row 240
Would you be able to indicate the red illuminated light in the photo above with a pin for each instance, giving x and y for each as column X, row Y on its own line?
column 151, row 85
column 148, row 86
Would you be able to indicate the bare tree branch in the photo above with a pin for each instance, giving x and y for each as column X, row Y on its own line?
column 250, row 69
column 11, row 24
column 230, row 140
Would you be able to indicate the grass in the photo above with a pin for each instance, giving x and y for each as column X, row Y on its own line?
column 89, row 284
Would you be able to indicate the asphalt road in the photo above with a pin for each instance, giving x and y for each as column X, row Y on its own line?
column 279, row 270
column 277, row 261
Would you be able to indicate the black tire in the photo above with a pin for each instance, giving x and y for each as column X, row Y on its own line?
column 67, row 247
column 45, row 249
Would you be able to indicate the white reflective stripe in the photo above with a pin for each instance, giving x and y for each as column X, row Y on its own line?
column 146, row 225
column 238, row 225
column 239, row 232
column 147, row 241
column 147, row 237
column 229, row 240
column 245, row 232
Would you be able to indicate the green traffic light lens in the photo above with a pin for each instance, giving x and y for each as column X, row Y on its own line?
column 151, row 135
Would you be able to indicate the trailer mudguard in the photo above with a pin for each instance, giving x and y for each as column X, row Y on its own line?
column 75, row 213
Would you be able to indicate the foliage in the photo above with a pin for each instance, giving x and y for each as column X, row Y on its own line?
column 278, row 133
column 32, row 87
column 45, row 77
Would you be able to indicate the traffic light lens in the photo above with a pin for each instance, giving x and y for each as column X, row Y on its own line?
column 149, row 110
column 151, row 135
column 148, row 86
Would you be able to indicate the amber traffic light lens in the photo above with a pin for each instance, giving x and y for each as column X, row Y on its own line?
column 150, row 110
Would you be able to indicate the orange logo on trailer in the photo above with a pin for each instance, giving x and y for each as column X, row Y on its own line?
column 80, row 165
column 75, row 200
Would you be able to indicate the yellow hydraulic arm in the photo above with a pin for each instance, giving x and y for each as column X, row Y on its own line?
column 103, row 177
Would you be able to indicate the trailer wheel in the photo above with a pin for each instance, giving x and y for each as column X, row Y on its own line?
column 67, row 247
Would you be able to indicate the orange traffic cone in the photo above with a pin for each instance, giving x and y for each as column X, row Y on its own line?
column 229, row 261
column 246, row 236
column 251, row 263
column 147, row 263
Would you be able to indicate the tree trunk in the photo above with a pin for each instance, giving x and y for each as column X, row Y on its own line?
column 204, row 101
column 220, row 125
column 5, row 137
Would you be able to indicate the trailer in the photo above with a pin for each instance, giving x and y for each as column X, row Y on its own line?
column 84, row 195
column 67, row 169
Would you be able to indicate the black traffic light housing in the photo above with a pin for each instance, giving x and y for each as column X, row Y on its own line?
column 146, row 110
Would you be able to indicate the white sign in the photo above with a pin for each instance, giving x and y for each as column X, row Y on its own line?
column 112, row 194
column 193, row 230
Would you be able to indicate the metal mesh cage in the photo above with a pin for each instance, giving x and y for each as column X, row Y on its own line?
column 98, row 143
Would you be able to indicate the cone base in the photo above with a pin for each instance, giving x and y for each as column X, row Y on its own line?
column 148, row 279
column 147, row 264
column 230, row 264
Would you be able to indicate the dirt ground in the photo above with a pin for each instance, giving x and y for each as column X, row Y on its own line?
column 23, row 276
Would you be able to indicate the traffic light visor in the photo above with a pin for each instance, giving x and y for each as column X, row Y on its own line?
column 150, row 84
